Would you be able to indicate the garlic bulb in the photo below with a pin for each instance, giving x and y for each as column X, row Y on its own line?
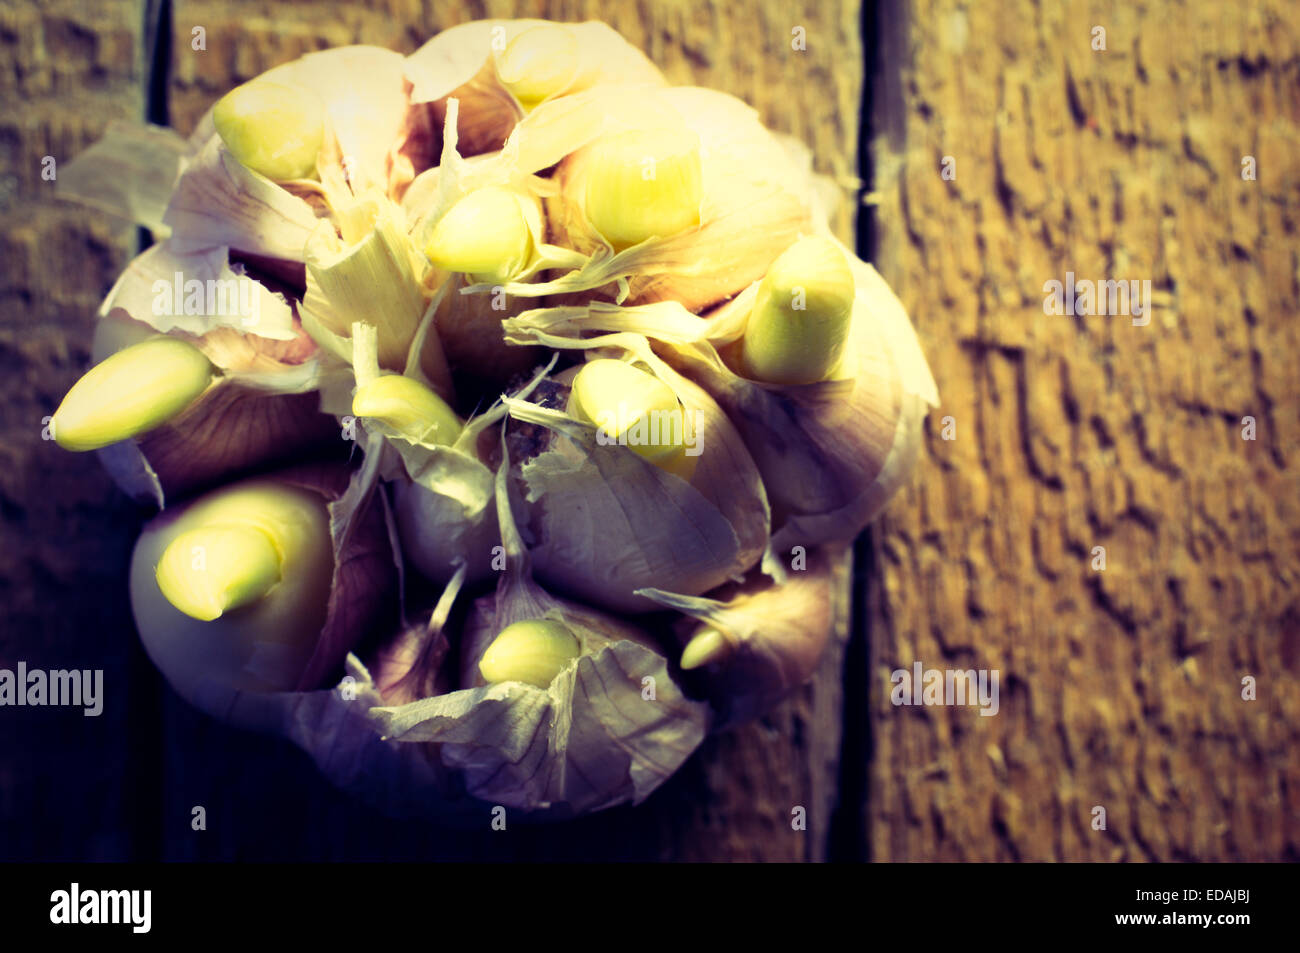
column 609, row 725
column 578, row 333
column 607, row 521
column 248, row 589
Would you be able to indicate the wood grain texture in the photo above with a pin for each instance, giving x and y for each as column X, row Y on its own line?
column 1120, row 688
column 67, row 782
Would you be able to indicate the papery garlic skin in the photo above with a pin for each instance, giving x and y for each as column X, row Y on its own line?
column 265, row 644
column 130, row 393
column 440, row 531
column 272, row 128
column 368, row 274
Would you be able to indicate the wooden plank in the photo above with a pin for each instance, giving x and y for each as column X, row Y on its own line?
column 67, row 782
column 1122, row 687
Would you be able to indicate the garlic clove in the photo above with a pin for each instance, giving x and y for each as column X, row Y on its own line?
column 538, row 63
column 272, row 128
column 485, row 235
column 283, row 531
column 531, row 650
column 208, row 571
column 409, row 408
column 606, row 522
column 130, row 393
column 758, row 640
column 798, row 329
column 644, row 183
column 609, row 725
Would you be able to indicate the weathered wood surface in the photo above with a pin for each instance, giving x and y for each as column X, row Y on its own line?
column 1120, row 688
column 72, row 532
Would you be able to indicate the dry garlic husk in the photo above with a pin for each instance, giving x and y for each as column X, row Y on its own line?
column 606, row 521
column 501, row 69
column 831, row 453
column 757, row 641
column 261, row 586
column 363, row 267
column 130, row 173
column 609, row 727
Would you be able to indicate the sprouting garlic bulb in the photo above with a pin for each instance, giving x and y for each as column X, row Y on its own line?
column 240, row 590
column 421, row 236
column 562, row 708
column 607, row 521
